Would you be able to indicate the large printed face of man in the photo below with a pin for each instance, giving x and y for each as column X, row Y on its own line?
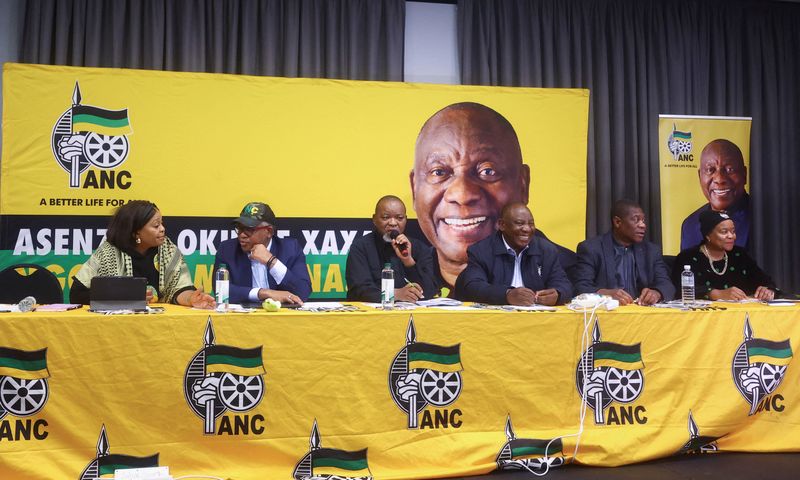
column 722, row 174
column 467, row 166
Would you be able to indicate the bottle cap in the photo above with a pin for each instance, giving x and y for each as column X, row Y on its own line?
column 222, row 265
column 387, row 265
column 687, row 267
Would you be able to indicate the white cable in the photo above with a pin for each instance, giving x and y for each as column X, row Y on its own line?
column 587, row 322
column 198, row 476
column 176, row 478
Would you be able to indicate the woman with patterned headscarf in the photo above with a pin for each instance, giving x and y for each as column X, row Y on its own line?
column 136, row 245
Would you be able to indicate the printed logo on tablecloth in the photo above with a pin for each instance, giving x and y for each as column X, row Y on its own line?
column 87, row 136
column 106, row 463
column 680, row 145
column 424, row 374
column 221, row 378
column 331, row 463
column 529, row 453
column 23, row 393
column 759, row 366
column 611, row 372
column 698, row 443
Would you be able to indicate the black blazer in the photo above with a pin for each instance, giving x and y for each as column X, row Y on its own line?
column 596, row 269
column 365, row 261
column 287, row 250
column 490, row 269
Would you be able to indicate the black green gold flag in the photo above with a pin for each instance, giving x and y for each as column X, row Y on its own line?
column 107, row 464
column 240, row 361
column 625, row 357
column 23, row 364
column 330, row 461
column 434, row 357
column 528, row 447
column 767, row 351
column 99, row 120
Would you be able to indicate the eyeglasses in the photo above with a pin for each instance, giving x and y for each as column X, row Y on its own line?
column 247, row 231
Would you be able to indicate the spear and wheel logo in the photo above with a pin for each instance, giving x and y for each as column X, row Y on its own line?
column 698, row 443
column 529, row 453
column 221, row 378
column 86, row 136
column 106, row 463
column 759, row 366
column 679, row 143
column 331, row 463
column 613, row 372
column 23, row 381
column 423, row 374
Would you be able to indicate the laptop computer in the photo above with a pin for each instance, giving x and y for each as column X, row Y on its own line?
column 118, row 293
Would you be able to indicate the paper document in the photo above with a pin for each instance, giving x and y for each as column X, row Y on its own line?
column 439, row 302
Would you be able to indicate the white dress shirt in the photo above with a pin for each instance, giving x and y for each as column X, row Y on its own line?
column 260, row 277
column 516, row 280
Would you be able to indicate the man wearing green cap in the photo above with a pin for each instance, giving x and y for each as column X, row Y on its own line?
column 262, row 265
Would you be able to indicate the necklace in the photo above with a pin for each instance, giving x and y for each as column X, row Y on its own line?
column 711, row 262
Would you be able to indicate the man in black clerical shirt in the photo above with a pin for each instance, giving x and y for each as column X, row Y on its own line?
column 410, row 259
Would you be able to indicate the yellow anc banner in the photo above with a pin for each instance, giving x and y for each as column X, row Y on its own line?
column 703, row 163
column 390, row 395
column 78, row 142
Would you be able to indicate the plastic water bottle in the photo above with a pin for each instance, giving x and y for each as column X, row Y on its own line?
column 687, row 285
column 387, row 287
column 222, row 287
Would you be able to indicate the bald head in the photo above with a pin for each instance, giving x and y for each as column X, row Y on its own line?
column 722, row 174
column 514, row 208
column 476, row 113
column 387, row 199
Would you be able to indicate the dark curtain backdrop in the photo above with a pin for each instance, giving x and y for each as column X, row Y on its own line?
column 640, row 58
column 345, row 39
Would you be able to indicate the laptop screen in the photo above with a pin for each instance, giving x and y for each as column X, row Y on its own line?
column 118, row 293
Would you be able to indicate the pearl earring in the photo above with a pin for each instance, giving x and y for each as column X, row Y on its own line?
column 138, row 240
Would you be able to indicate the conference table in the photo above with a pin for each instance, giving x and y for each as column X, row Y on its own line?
column 398, row 394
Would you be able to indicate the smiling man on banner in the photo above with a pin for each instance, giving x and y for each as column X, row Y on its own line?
column 723, row 176
column 467, row 166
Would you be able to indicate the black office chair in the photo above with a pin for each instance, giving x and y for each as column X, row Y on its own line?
column 24, row 279
column 669, row 261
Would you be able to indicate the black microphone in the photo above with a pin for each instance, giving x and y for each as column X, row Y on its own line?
column 403, row 247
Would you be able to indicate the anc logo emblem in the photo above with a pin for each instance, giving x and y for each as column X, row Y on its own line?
column 107, row 463
column 679, row 143
column 331, row 463
column 698, row 443
column 422, row 374
column 529, row 453
column 609, row 372
column 85, row 135
column 23, row 381
column 221, row 378
column 759, row 366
